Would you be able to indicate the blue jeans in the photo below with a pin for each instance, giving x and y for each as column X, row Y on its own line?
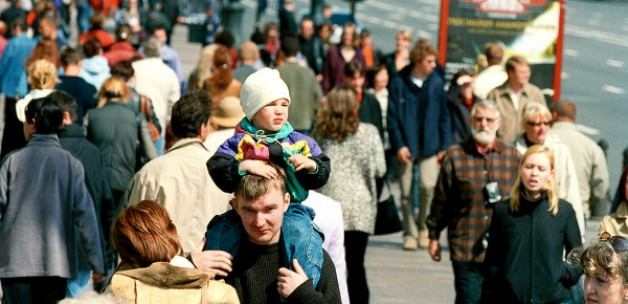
column 299, row 237
column 468, row 280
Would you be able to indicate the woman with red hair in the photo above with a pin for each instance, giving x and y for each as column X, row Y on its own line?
column 221, row 83
column 152, row 268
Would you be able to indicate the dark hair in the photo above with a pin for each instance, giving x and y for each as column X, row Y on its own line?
column 123, row 32
column 372, row 73
column 189, row 114
column 290, row 45
column 66, row 102
column 91, row 48
column 461, row 72
column 225, row 38
column 123, row 69
column 354, row 67
column 46, row 114
column 18, row 23
column 144, row 234
column 97, row 21
column 494, row 53
column 70, row 55
column 620, row 195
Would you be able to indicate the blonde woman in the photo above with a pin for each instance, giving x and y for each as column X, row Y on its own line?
column 115, row 129
column 42, row 78
column 536, row 121
column 203, row 68
column 528, row 235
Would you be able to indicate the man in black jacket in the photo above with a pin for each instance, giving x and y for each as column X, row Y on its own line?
column 72, row 138
column 260, row 273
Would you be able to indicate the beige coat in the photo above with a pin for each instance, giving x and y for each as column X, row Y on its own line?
column 162, row 283
column 565, row 171
column 179, row 182
column 510, row 126
column 616, row 224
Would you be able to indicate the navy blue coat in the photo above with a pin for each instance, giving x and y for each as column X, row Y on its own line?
column 418, row 117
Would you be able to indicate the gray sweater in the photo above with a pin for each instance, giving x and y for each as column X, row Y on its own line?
column 43, row 202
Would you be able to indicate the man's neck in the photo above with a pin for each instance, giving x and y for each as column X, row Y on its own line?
column 72, row 70
column 515, row 86
column 416, row 73
column 484, row 149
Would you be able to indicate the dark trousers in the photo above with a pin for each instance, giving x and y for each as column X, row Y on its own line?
column 355, row 251
column 468, row 279
column 13, row 133
column 36, row 290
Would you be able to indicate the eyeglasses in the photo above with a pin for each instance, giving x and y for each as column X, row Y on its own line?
column 538, row 124
column 619, row 244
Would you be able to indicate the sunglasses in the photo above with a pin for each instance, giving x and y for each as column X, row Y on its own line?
column 619, row 244
column 538, row 124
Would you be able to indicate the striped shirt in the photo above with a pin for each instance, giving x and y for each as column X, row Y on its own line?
column 460, row 202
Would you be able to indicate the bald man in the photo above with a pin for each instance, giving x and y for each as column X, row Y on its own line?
column 589, row 159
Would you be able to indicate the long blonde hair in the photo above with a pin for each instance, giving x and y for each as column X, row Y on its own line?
column 549, row 187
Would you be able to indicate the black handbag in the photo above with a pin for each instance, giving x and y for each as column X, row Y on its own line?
column 387, row 220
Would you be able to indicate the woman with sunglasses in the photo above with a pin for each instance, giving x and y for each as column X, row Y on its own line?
column 536, row 121
column 616, row 224
column 606, row 272
column 528, row 236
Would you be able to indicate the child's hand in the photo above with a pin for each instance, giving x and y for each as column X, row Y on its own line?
column 288, row 280
column 258, row 167
column 301, row 162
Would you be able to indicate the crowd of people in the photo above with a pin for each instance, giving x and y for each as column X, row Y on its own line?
column 257, row 178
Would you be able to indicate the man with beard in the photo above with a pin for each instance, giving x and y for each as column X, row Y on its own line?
column 474, row 175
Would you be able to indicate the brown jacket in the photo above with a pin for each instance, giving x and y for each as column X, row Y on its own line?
column 510, row 117
column 164, row 283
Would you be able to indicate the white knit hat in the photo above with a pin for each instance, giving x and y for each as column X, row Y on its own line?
column 260, row 89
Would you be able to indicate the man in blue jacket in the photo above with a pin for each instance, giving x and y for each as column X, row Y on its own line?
column 13, row 81
column 419, row 130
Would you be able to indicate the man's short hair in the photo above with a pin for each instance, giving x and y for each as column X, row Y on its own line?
column 252, row 186
column 494, row 53
column 151, row 48
column 123, row 69
column 66, row 102
column 565, row 108
column 189, row 114
column 515, row 60
column 18, row 23
column 422, row 50
column 485, row 104
column 70, row 55
column 290, row 45
column 46, row 114
column 249, row 51
column 91, row 48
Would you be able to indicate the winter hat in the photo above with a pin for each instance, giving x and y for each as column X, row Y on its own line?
column 260, row 89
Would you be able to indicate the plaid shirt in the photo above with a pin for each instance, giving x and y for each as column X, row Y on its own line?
column 460, row 202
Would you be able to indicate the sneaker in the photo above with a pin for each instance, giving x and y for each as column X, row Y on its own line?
column 409, row 243
column 423, row 239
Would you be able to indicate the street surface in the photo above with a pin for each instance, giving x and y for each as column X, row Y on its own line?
column 595, row 77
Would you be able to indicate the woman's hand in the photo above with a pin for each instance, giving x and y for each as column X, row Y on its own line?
column 214, row 262
column 288, row 280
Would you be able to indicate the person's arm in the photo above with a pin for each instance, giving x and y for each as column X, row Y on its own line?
column 444, row 121
column 440, row 210
column 599, row 176
column 326, row 292
column 377, row 145
column 393, row 117
column 318, row 178
column 4, row 187
column 569, row 181
column 84, row 217
column 571, row 239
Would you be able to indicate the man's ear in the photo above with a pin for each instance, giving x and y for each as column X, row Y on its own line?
column 233, row 203
column 286, row 200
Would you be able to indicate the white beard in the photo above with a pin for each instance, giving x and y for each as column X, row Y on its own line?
column 484, row 137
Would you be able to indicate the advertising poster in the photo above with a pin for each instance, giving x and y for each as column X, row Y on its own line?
column 530, row 28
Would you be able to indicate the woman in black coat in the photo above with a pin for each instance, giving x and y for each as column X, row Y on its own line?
column 529, row 233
